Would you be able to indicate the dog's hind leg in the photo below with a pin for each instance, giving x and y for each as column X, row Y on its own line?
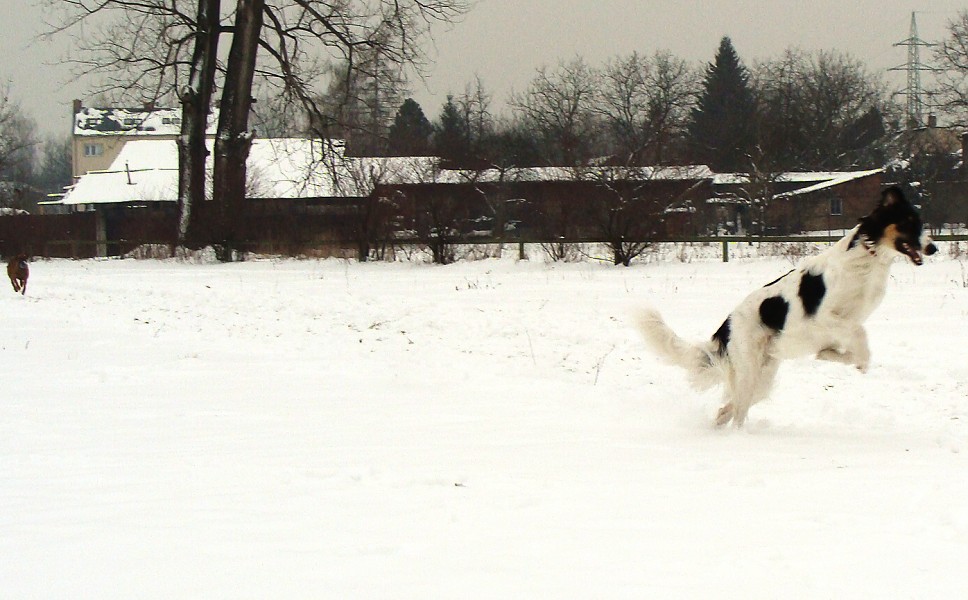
column 23, row 288
column 726, row 411
column 744, row 388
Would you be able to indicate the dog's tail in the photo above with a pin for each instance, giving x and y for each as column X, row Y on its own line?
column 702, row 361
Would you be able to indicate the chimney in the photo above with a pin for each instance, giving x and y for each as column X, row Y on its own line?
column 149, row 106
column 78, row 105
column 932, row 121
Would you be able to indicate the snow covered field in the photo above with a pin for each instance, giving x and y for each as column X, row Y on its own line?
column 489, row 429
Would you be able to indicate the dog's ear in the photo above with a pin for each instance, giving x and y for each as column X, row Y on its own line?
column 892, row 196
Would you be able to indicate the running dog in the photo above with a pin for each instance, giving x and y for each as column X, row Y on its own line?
column 817, row 309
column 18, row 271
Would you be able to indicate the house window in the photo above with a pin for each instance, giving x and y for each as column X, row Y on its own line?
column 836, row 206
column 93, row 150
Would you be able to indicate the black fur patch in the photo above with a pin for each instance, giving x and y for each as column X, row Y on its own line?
column 779, row 278
column 722, row 336
column 811, row 292
column 773, row 312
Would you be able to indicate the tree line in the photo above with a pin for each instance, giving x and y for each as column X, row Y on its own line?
column 339, row 70
column 804, row 111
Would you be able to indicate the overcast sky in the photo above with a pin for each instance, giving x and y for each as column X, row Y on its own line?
column 504, row 41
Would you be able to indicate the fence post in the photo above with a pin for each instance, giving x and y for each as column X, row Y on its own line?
column 100, row 234
column 725, row 251
column 521, row 253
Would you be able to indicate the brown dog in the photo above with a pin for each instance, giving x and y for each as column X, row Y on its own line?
column 18, row 272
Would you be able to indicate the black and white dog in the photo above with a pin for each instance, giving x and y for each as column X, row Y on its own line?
column 816, row 309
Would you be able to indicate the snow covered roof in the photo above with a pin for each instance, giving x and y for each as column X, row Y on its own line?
column 132, row 121
column 147, row 171
column 835, row 181
column 690, row 172
column 788, row 177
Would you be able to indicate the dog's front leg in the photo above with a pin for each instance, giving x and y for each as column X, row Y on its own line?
column 859, row 349
column 856, row 351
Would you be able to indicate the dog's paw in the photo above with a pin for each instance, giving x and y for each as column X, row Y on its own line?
column 725, row 415
column 832, row 354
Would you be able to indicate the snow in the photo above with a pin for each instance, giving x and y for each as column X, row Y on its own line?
column 841, row 179
column 488, row 429
column 794, row 176
column 147, row 170
column 593, row 173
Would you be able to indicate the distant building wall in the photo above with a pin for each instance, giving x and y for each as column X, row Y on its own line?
column 99, row 134
column 833, row 208
column 96, row 153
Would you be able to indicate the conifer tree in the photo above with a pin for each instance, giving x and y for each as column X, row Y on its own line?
column 410, row 133
column 721, row 132
column 451, row 137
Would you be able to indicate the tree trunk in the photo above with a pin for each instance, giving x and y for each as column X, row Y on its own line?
column 233, row 139
column 196, row 104
column 618, row 257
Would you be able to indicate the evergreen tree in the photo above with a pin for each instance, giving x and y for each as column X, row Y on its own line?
column 451, row 136
column 411, row 131
column 720, row 129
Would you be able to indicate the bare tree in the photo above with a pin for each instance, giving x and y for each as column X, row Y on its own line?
column 559, row 108
column 133, row 50
column 18, row 139
column 951, row 61
column 645, row 102
column 151, row 51
column 628, row 205
column 146, row 51
column 813, row 111
column 363, row 95
column 196, row 100
column 54, row 172
column 376, row 214
column 817, row 111
column 475, row 108
column 233, row 138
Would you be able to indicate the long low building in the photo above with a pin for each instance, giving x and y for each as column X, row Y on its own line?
column 306, row 181
column 279, row 168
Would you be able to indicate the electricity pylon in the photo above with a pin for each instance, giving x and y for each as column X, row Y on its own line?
column 914, row 66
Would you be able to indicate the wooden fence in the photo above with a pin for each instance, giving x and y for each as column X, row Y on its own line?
column 825, row 239
column 55, row 236
column 81, row 235
column 88, row 248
